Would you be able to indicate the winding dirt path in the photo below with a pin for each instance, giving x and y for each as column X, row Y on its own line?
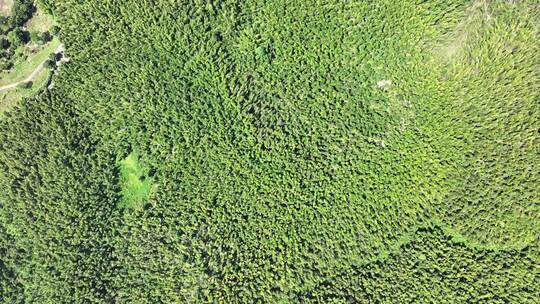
column 59, row 49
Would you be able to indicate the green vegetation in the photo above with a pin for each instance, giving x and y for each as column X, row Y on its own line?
column 5, row 7
column 135, row 185
column 9, row 98
column 20, row 12
column 25, row 66
column 16, row 38
column 23, row 53
column 459, row 274
column 305, row 151
column 40, row 22
column 495, row 76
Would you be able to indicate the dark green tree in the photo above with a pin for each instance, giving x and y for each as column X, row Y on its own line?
column 55, row 30
column 49, row 64
column 16, row 37
column 6, row 65
column 4, row 42
column 25, row 85
column 21, row 11
column 46, row 37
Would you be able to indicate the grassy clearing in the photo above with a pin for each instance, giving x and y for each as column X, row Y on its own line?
column 34, row 56
column 136, row 185
column 9, row 98
column 23, row 68
column 40, row 22
column 5, row 7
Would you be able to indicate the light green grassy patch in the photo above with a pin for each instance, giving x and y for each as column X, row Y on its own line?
column 9, row 98
column 5, row 7
column 40, row 22
column 22, row 69
column 135, row 184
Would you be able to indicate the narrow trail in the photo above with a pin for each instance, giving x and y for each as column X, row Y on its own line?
column 59, row 49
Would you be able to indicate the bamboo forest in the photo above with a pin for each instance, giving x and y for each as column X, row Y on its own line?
column 270, row 151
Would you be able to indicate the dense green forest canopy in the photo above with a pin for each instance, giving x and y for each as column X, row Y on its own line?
column 277, row 152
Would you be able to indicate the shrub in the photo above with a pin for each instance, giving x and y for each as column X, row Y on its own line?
column 21, row 12
column 4, row 42
column 46, row 5
column 34, row 36
column 16, row 37
column 52, row 57
column 6, row 65
column 49, row 64
column 25, row 85
column 4, row 20
column 55, row 30
column 46, row 37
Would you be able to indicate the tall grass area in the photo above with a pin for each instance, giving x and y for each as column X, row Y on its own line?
column 305, row 152
column 135, row 185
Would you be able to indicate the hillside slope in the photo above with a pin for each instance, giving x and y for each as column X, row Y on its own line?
column 278, row 151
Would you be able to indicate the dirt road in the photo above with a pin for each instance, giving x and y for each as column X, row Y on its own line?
column 59, row 49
